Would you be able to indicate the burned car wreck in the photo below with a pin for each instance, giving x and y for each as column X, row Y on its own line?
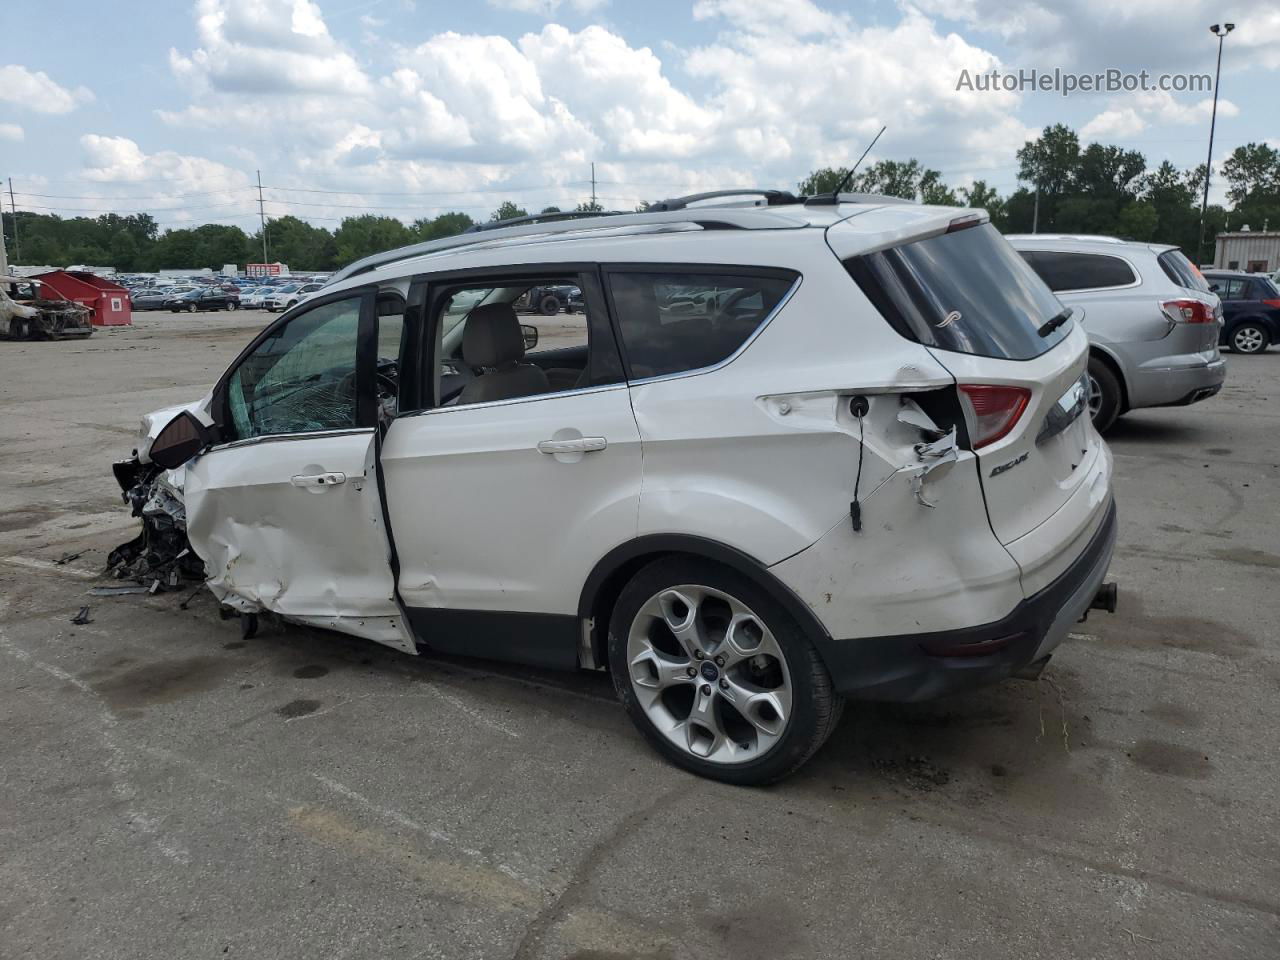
column 32, row 310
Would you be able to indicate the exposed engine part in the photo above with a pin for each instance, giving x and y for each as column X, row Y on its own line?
column 160, row 555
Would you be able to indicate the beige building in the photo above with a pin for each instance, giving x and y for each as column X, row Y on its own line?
column 1257, row 251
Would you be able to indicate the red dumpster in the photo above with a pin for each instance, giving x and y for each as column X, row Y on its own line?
column 108, row 301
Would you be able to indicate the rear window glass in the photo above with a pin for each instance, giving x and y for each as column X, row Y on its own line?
column 1182, row 271
column 967, row 292
column 676, row 321
column 1079, row 271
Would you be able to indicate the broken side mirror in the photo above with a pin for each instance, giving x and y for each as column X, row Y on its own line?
column 181, row 439
column 530, row 335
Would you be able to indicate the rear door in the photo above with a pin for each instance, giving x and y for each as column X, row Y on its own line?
column 503, row 500
column 988, row 318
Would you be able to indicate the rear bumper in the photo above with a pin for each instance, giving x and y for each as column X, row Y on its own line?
column 1176, row 385
column 901, row 668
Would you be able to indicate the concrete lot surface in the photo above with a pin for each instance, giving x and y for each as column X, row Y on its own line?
column 168, row 790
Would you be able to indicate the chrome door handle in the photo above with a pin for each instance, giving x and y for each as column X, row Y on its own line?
column 331, row 479
column 580, row 445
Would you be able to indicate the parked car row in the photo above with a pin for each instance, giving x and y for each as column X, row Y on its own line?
column 167, row 293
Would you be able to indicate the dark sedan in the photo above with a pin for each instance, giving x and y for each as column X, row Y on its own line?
column 1250, row 309
column 152, row 299
column 211, row 299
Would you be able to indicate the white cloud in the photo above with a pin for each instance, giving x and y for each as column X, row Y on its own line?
column 119, row 160
column 783, row 88
column 36, row 90
column 548, row 8
column 1094, row 34
column 11, row 131
column 267, row 47
column 1130, row 115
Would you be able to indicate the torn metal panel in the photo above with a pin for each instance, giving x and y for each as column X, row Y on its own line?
column 938, row 456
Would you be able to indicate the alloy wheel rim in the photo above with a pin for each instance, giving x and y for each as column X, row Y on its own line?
column 1248, row 340
column 709, row 674
column 1095, row 396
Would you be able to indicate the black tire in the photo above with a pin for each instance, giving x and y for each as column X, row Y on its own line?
column 191, row 308
column 816, row 706
column 1104, row 379
column 1248, row 337
column 549, row 305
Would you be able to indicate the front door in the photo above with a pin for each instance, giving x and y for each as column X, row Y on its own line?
column 285, row 511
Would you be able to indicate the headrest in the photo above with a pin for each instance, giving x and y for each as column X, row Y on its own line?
column 492, row 336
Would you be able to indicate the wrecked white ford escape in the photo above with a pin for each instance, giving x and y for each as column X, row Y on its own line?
column 780, row 453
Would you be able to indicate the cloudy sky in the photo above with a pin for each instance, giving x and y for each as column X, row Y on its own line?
column 414, row 107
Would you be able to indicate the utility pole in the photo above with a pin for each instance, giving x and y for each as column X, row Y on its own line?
column 13, row 207
column 1035, row 216
column 4, row 256
column 262, row 218
column 1221, row 34
column 593, row 185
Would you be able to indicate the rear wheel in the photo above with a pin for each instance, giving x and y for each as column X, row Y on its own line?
column 1105, row 394
column 549, row 305
column 191, row 308
column 716, row 675
column 1249, row 338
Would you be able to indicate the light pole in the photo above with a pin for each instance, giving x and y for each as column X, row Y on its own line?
column 1219, row 31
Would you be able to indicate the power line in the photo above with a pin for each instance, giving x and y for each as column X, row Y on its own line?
column 158, row 196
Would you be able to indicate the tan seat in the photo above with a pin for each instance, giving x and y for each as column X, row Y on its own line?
column 494, row 342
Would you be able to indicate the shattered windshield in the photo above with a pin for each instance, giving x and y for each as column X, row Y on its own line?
column 302, row 377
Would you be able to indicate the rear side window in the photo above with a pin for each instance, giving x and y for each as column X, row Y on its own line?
column 1263, row 289
column 676, row 321
column 967, row 291
column 1079, row 271
column 1182, row 271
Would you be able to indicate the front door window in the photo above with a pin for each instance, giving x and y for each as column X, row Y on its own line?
column 302, row 378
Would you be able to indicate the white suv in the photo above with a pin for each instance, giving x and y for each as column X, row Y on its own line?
column 289, row 296
column 788, row 453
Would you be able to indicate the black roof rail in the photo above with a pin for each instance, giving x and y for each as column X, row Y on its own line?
column 773, row 198
column 831, row 199
column 543, row 218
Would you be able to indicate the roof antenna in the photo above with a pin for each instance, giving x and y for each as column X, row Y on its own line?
column 835, row 194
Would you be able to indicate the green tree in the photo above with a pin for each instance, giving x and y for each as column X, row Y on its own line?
column 445, row 225
column 550, row 210
column 1138, row 221
column 822, row 180
column 361, row 236
column 589, row 206
column 297, row 243
column 124, row 251
column 983, row 197
column 1253, row 173
column 507, row 211
column 1110, row 172
column 933, row 191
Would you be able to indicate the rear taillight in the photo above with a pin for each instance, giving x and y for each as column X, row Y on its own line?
column 995, row 410
column 1272, row 303
column 1189, row 311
